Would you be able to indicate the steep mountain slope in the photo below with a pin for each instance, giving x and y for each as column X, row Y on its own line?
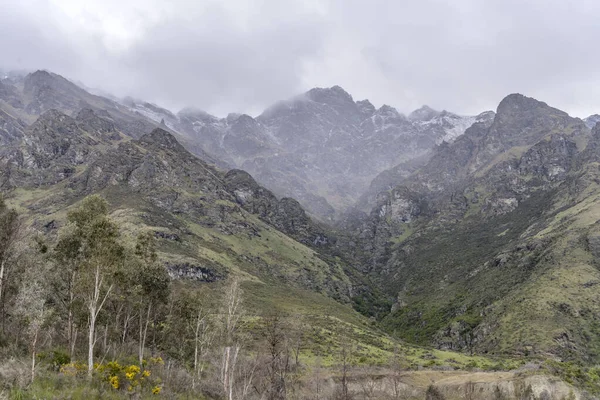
column 487, row 247
column 210, row 225
column 25, row 97
column 452, row 127
column 321, row 148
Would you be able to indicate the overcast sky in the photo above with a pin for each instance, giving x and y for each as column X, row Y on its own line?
column 236, row 55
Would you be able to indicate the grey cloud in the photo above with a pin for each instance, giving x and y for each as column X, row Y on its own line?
column 464, row 56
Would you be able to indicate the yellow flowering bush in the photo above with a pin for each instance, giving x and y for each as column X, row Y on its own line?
column 128, row 377
column 73, row 369
column 114, row 381
column 131, row 372
column 157, row 360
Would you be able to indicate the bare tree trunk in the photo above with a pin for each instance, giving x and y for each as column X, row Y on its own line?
column 232, row 353
column 92, row 329
column 196, row 336
column 2, row 272
column 143, row 333
column 127, row 319
column 346, row 354
column 232, row 346
column 105, row 339
column 94, row 308
column 225, row 369
column 33, row 353
column 2, row 268
column 73, row 344
column 70, row 322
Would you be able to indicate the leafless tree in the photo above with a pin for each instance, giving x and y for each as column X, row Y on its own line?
column 204, row 334
column 231, row 344
column 278, row 366
column 369, row 387
column 317, row 380
column 10, row 232
column 31, row 304
column 396, row 375
column 346, row 354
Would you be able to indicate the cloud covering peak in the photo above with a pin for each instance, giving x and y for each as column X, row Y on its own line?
column 244, row 55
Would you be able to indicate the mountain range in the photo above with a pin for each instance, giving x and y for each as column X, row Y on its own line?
column 476, row 234
column 321, row 148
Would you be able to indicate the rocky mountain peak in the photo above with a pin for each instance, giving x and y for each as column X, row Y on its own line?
column 245, row 119
column 37, row 81
column 592, row 120
column 37, row 77
column 486, row 116
column 232, row 117
column 196, row 114
column 334, row 95
column 388, row 111
column 365, row 107
column 161, row 138
column 517, row 103
column 425, row 113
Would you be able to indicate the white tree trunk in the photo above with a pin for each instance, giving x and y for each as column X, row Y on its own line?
column 92, row 330
column 33, row 352
column 143, row 333
column 70, row 323
column 2, row 266
column 94, row 308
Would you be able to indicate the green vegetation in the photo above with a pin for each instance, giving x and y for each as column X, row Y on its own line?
column 135, row 324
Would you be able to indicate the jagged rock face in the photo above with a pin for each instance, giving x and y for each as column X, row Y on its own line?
column 49, row 91
column 163, row 172
column 463, row 231
column 246, row 137
column 9, row 93
column 592, row 120
column 551, row 159
column 41, row 91
column 187, row 271
column 99, row 124
column 400, row 205
column 521, row 121
column 321, row 148
column 542, row 142
column 11, row 130
column 250, row 195
column 50, row 150
column 286, row 214
column 592, row 151
column 449, row 128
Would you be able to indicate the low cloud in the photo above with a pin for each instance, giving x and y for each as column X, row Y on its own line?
column 241, row 56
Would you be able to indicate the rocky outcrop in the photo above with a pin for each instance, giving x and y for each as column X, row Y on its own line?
column 187, row 271
column 11, row 130
column 98, row 124
column 51, row 150
column 549, row 159
column 459, row 234
column 285, row 214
